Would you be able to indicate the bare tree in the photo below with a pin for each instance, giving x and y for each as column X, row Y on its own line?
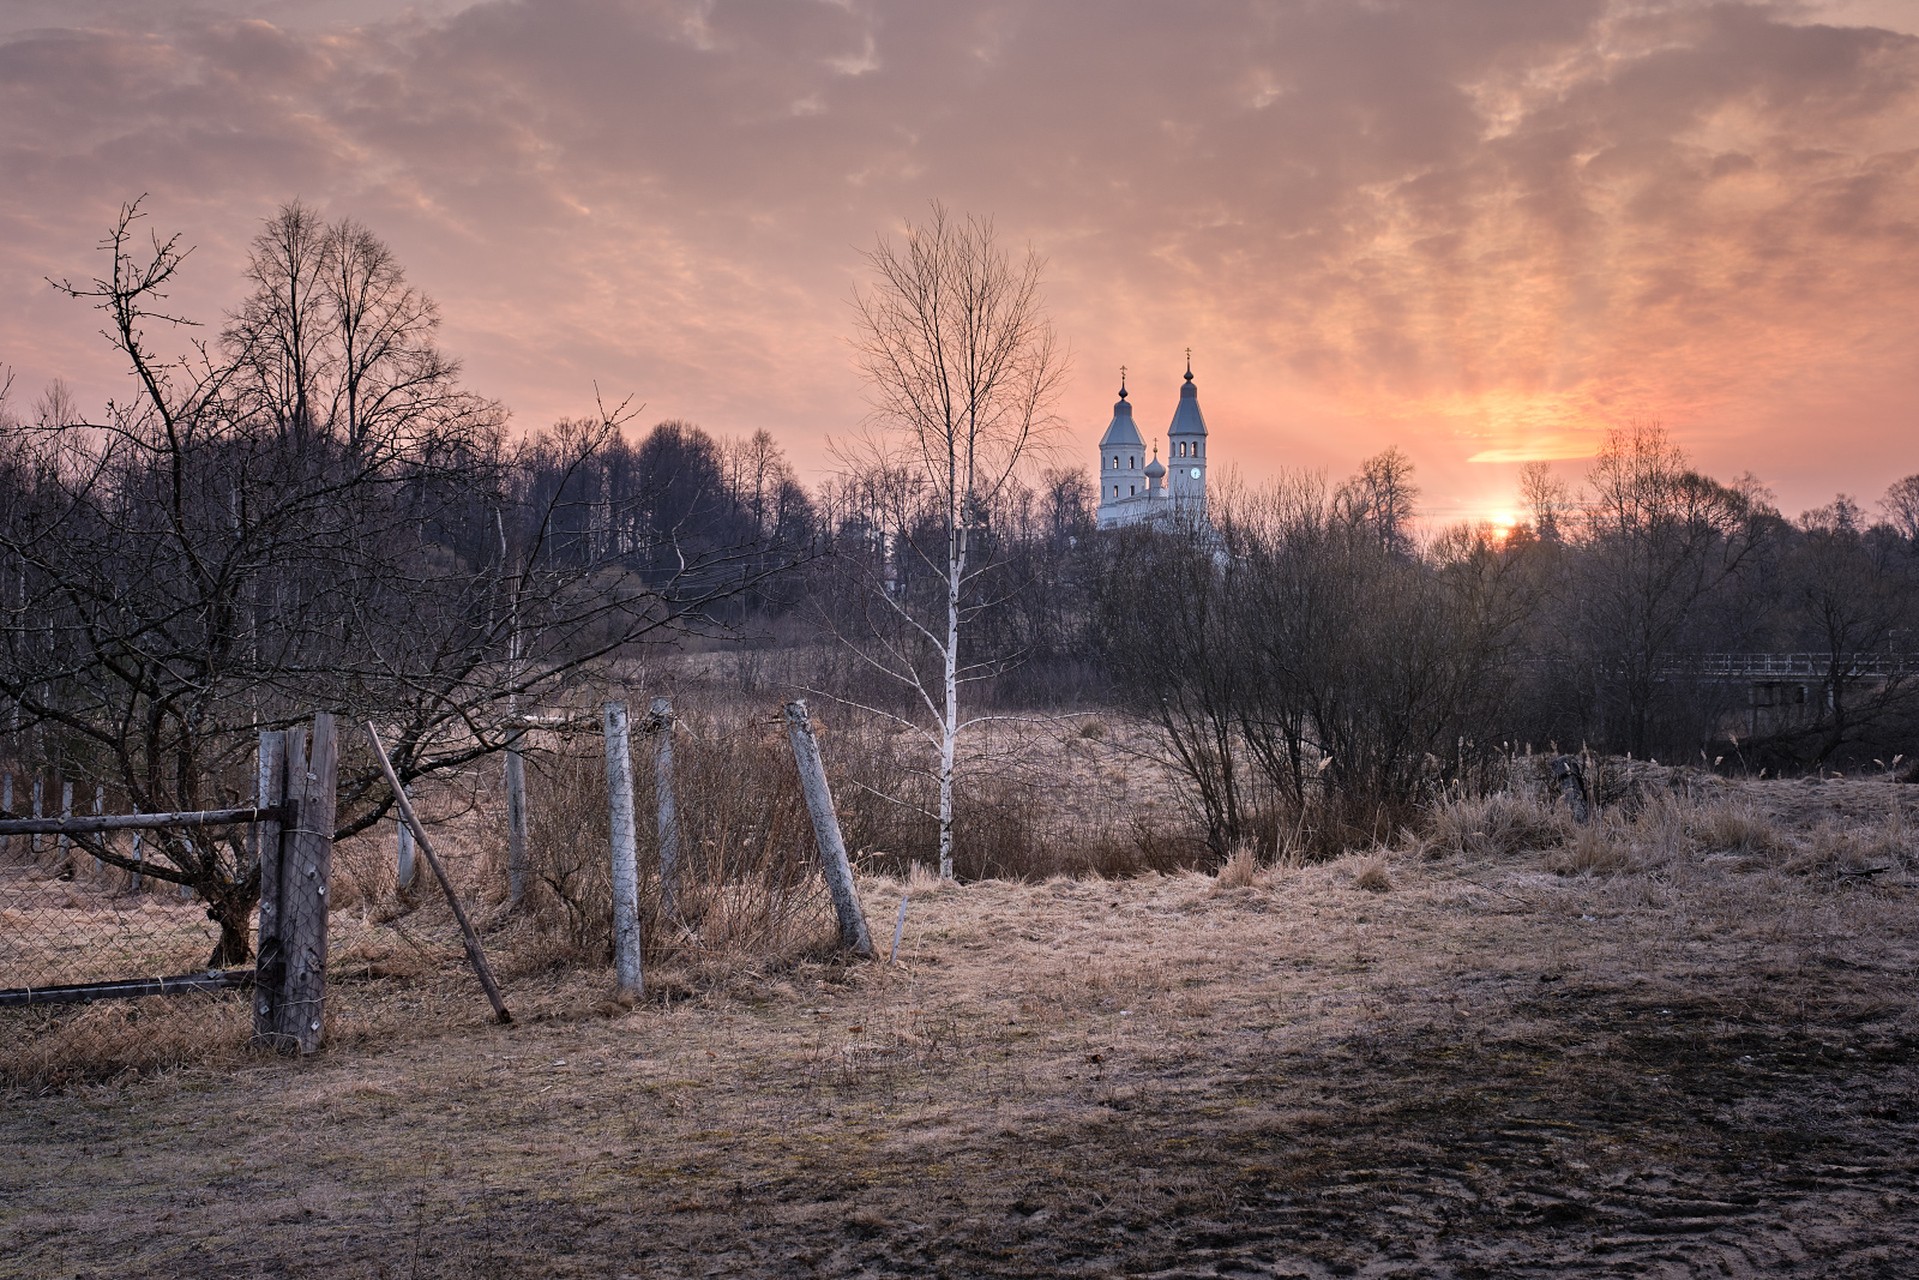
column 962, row 367
column 1548, row 502
column 1901, row 507
column 1381, row 498
column 251, row 536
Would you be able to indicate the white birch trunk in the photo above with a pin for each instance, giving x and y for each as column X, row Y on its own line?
column 949, row 720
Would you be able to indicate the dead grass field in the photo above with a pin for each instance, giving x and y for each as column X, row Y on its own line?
column 1685, row 1048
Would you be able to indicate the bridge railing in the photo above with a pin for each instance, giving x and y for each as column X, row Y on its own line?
column 1794, row 666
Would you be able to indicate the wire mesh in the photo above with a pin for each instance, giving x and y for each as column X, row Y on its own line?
column 750, row 896
column 66, row 919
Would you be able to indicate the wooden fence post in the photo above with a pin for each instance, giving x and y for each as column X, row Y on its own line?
column 515, row 825
column 826, row 831
column 269, row 964
column 404, row 868
column 305, row 866
column 63, row 848
column 660, row 725
column 99, row 807
column 624, row 846
column 39, row 811
column 6, row 803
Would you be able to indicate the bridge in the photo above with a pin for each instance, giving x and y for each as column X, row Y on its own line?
column 1787, row 689
column 1790, row 667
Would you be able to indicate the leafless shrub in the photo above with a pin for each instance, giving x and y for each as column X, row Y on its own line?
column 748, row 887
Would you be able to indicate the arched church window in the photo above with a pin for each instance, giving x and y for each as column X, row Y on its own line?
column 1132, row 491
column 1129, row 462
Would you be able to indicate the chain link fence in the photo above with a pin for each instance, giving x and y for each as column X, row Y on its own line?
column 67, row 920
column 748, row 899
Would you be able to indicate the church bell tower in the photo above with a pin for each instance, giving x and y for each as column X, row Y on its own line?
column 1186, row 447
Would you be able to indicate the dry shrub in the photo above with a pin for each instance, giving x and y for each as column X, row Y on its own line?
column 1598, row 848
column 1372, row 876
column 748, row 885
column 1495, row 825
column 1854, row 851
column 1240, row 870
column 1737, row 828
column 1015, row 816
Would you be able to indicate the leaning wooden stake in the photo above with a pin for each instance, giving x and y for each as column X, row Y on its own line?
column 475, row 956
column 826, row 831
column 660, row 725
column 624, row 848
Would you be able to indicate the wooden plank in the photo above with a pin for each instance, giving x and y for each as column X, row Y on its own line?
column 623, row 849
column 475, row 956
column 826, row 831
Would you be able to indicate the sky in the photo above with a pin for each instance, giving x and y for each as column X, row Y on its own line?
column 1484, row 231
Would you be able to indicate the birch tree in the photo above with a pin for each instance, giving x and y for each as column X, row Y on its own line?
column 962, row 368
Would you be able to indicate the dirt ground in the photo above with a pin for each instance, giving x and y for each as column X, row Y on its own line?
column 1697, row 1063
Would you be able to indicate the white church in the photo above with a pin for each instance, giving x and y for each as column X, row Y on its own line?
column 1134, row 489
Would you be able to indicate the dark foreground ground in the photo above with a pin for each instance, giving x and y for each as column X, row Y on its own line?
column 1693, row 1061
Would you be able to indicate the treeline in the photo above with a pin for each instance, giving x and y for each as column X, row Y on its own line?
column 1308, row 652
column 315, row 510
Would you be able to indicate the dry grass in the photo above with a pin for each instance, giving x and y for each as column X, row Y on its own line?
column 1685, row 1056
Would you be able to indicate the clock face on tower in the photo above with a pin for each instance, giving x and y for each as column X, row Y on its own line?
column 1195, row 473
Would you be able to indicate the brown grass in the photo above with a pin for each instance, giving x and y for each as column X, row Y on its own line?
column 1682, row 1057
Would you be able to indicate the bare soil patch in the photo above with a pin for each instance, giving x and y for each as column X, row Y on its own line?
column 1464, row 1065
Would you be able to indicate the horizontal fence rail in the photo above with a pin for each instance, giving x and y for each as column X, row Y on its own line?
column 88, row 825
column 129, row 988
